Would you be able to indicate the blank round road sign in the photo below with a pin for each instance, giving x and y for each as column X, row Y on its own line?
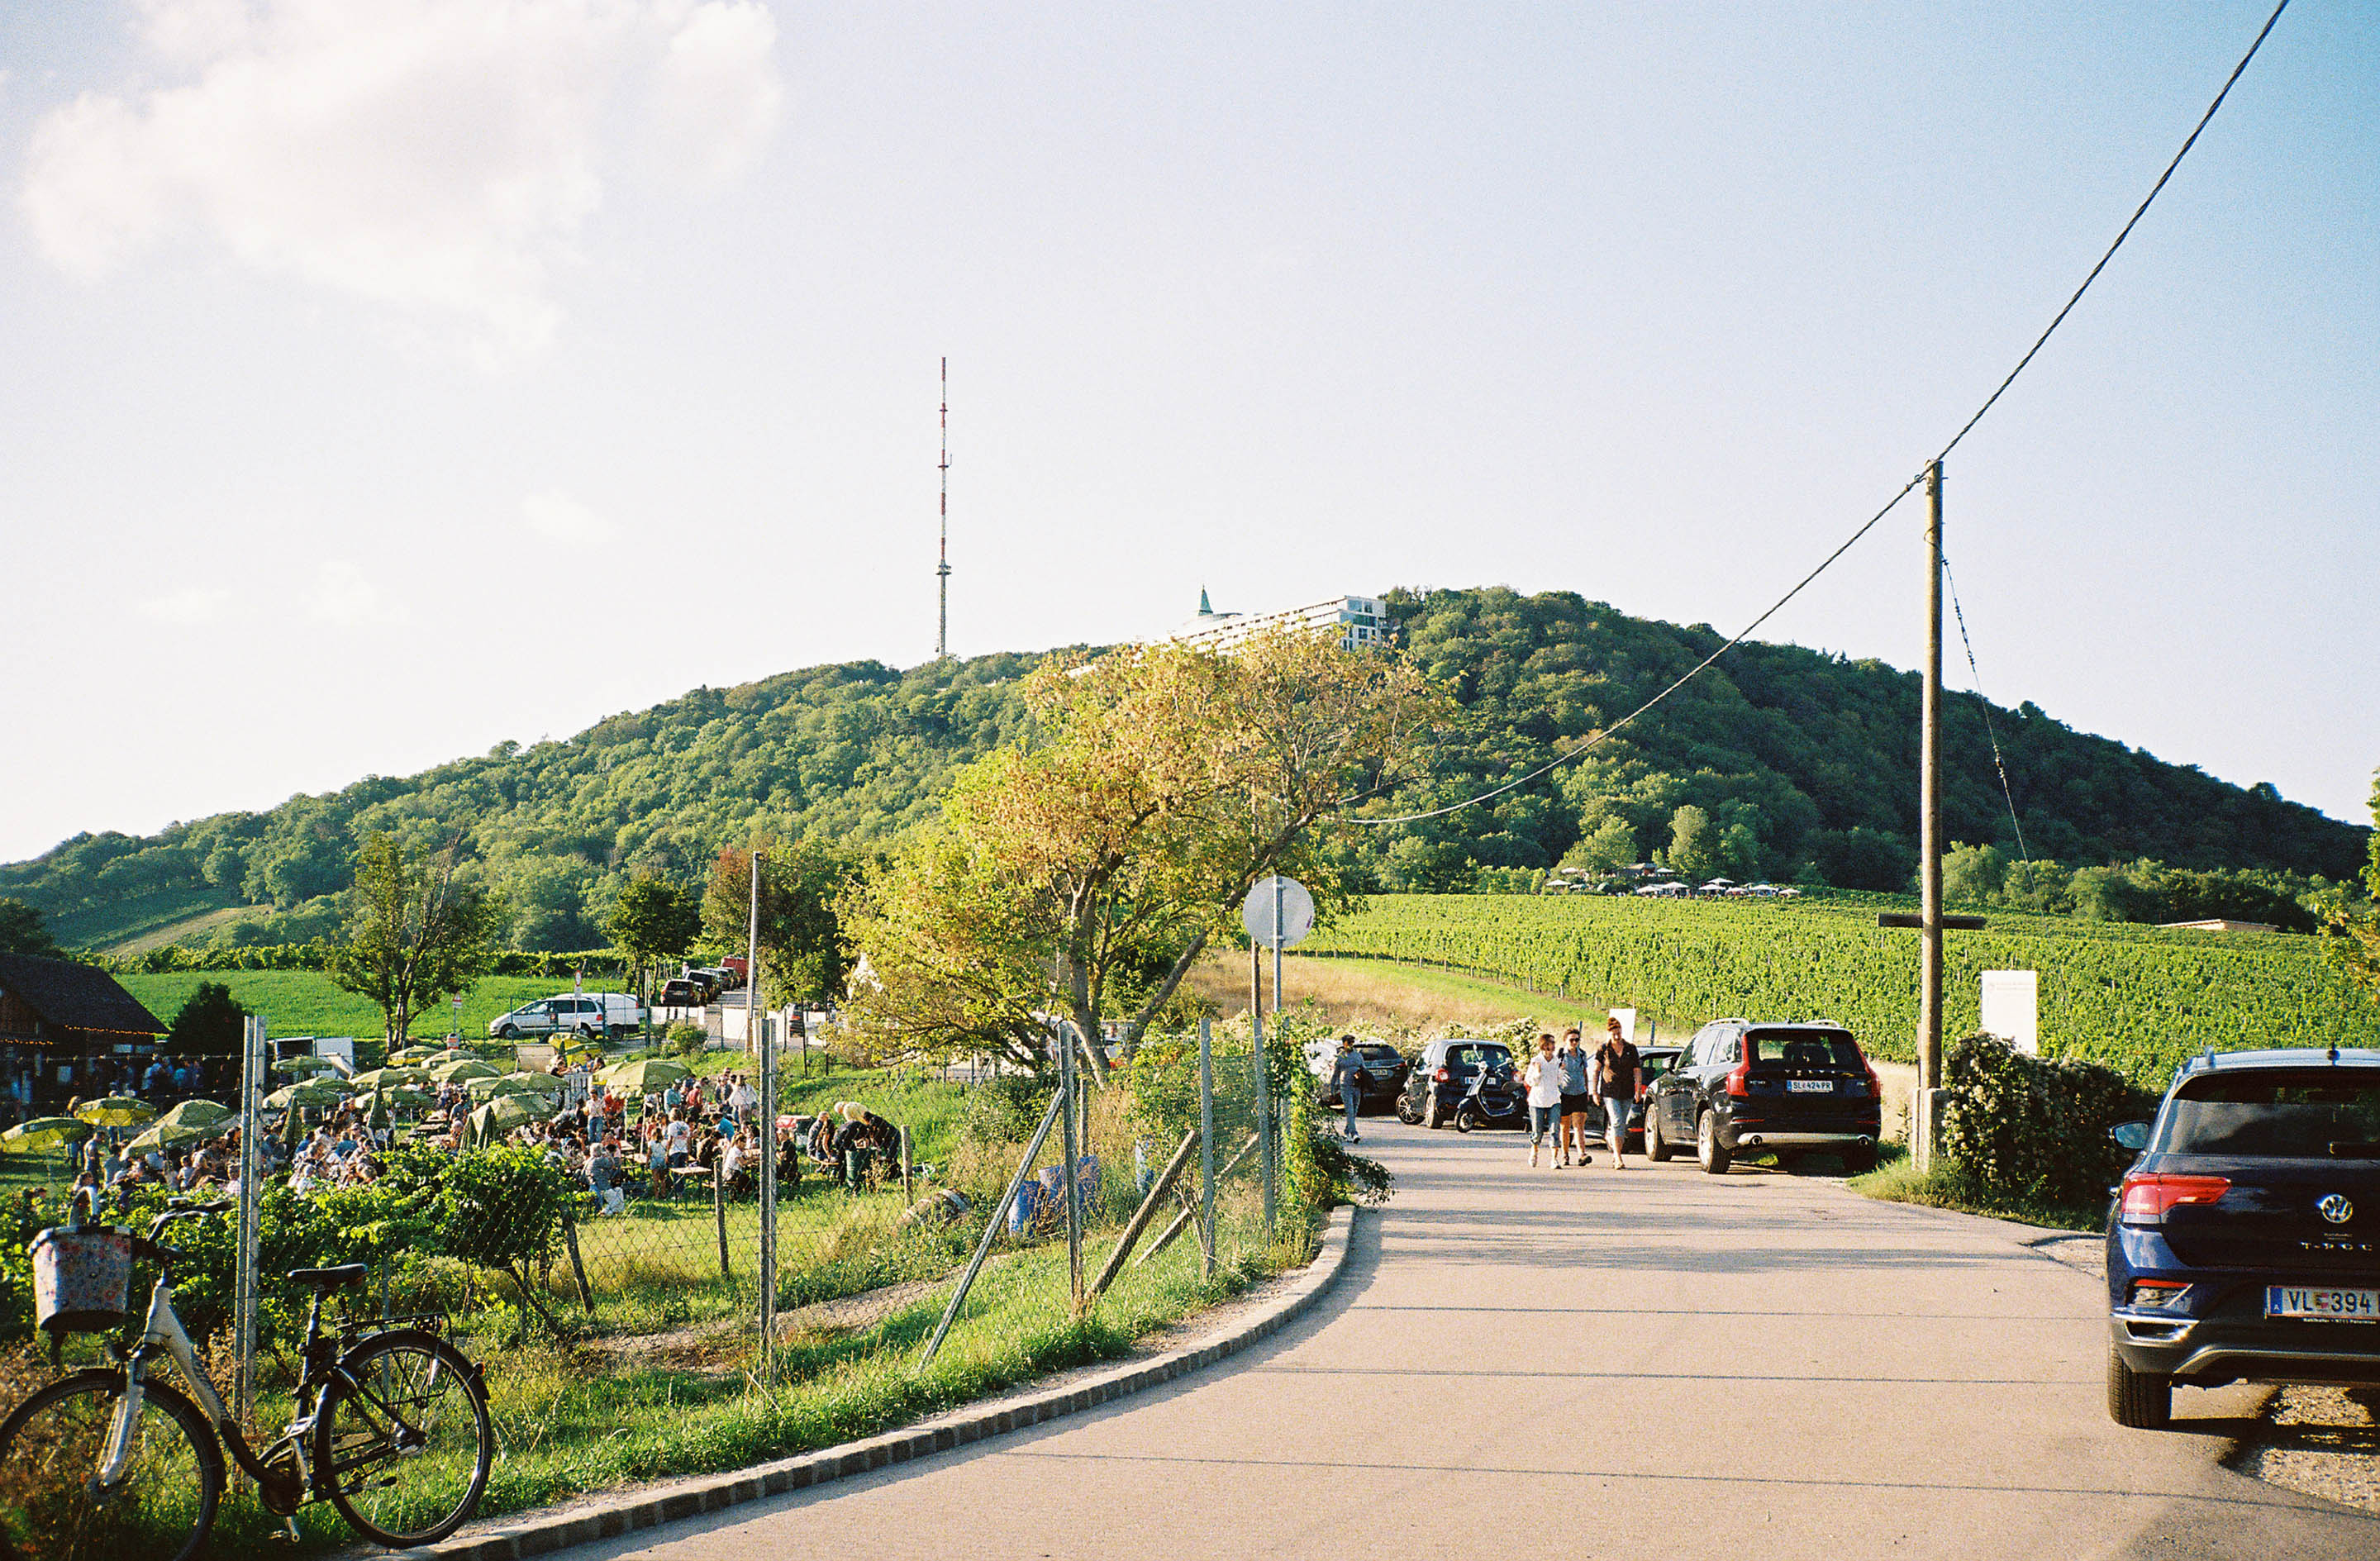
column 1296, row 912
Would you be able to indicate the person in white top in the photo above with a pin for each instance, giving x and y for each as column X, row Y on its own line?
column 1545, row 1080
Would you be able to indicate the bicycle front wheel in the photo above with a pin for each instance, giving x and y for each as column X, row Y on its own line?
column 402, row 1444
column 53, row 1506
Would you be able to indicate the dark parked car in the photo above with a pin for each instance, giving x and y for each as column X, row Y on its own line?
column 683, row 994
column 2244, row 1243
column 1743, row 1087
column 1441, row 1077
column 1384, row 1074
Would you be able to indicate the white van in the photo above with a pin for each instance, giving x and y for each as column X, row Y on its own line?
column 593, row 1015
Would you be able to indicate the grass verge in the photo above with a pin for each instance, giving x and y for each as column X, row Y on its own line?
column 1897, row 1181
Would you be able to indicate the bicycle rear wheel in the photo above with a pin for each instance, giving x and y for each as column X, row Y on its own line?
column 50, row 1506
column 402, row 1442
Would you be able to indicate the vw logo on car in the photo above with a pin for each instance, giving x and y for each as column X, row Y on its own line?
column 2335, row 1208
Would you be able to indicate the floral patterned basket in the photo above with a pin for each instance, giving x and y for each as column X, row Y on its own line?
column 82, row 1280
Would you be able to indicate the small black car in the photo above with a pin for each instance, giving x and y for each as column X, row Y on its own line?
column 1441, row 1077
column 1651, row 1062
column 1384, row 1074
column 1743, row 1087
column 2244, row 1243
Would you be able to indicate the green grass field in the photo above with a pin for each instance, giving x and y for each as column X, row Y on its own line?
column 305, row 1002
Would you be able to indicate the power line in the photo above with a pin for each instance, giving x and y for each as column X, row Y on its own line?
column 1989, row 730
column 1906, row 489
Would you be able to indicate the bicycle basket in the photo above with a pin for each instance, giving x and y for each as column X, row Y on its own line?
column 82, row 1280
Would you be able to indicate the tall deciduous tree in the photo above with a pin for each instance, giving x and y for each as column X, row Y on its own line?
column 417, row 935
column 1694, row 844
column 654, row 919
column 1084, row 871
column 803, row 952
column 22, row 931
column 2351, row 933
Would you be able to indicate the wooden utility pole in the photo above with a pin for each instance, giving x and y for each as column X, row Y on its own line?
column 1929, row 839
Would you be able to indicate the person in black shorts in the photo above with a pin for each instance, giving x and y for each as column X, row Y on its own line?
column 1576, row 1098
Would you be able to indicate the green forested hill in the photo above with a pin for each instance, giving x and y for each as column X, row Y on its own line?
column 1799, row 762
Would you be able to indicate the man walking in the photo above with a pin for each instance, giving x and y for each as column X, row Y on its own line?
column 1616, row 1068
column 1347, row 1077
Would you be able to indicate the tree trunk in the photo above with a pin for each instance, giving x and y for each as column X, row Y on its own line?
column 1139, row 1022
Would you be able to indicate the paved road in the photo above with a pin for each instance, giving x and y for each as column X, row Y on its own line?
column 1646, row 1365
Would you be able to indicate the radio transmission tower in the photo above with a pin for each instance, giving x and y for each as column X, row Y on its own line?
column 943, row 568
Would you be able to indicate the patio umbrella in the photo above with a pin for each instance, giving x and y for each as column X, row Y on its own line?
column 198, row 1114
column 506, row 1112
column 466, row 1068
column 421, row 1054
column 646, row 1075
column 481, row 1090
column 165, row 1135
column 443, row 1054
column 379, row 1077
column 545, row 1083
column 304, row 1065
column 44, row 1132
column 116, row 1111
column 405, row 1097
column 315, row 1093
column 378, row 1118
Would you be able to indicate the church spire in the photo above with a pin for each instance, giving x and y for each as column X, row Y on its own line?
column 1205, row 611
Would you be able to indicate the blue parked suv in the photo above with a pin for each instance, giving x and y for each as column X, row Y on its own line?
column 2244, row 1243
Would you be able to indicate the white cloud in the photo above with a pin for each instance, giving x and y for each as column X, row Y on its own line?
column 436, row 157
column 558, row 517
column 345, row 595
column 188, row 608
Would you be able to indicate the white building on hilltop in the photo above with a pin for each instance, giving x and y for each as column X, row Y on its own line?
column 1363, row 623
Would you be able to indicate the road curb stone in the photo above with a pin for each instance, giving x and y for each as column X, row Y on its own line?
column 561, row 1528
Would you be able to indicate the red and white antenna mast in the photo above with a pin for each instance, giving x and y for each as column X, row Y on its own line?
column 942, row 569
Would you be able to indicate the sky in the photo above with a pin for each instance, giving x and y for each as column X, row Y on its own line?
column 389, row 379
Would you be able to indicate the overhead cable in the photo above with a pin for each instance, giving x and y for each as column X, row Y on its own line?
column 1990, row 731
column 1965, row 428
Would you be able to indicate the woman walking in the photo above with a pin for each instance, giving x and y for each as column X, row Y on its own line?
column 1576, row 1067
column 1616, row 1067
column 1545, row 1081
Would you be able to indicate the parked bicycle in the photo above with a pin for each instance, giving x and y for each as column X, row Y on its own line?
column 114, row 1464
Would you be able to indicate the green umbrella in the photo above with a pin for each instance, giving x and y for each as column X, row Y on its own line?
column 293, row 1131
column 317, row 1093
column 407, row 1097
column 506, row 1112
column 511, row 1083
column 198, row 1114
column 304, row 1065
column 165, row 1135
column 377, row 1120
column 422, row 1054
column 646, row 1075
column 463, row 1068
column 44, row 1132
column 386, row 1076
column 545, row 1083
column 116, row 1111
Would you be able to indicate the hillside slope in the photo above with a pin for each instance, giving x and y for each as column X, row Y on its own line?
column 1804, row 763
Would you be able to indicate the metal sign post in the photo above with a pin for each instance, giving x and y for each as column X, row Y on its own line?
column 1073, row 1205
column 255, row 1070
column 768, row 1133
column 1207, row 1142
column 1279, row 913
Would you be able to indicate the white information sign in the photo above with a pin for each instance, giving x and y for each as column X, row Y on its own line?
column 2012, row 1008
column 1627, row 1017
column 1284, row 897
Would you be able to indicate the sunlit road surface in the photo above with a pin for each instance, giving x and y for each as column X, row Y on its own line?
column 1646, row 1365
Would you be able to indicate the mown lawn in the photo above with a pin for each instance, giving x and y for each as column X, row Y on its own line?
column 306, row 1003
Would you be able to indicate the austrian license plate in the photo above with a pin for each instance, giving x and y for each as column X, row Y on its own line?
column 1809, row 1087
column 2323, row 1305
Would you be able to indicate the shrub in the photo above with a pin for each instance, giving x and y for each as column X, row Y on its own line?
column 686, row 1040
column 2034, row 1130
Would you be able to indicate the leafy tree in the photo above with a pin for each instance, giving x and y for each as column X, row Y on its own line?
column 654, row 919
column 1612, row 844
column 208, row 1023
column 1972, row 875
column 22, row 930
column 2351, row 933
column 1092, row 868
column 1738, row 850
column 802, row 949
column 417, row 936
column 1694, row 845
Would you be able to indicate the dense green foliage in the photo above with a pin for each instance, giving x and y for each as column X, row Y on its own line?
column 208, row 1023
column 23, row 930
column 2023, row 1130
column 2137, row 998
column 1794, row 762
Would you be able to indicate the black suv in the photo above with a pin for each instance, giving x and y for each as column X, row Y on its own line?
column 1743, row 1086
column 2244, row 1243
column 1384, row 1074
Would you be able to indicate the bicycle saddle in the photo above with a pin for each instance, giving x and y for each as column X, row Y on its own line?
column 329, row 1278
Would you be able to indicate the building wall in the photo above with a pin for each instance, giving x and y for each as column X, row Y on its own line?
column 1363, row 621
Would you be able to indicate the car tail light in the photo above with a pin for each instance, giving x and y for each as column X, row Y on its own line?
column 1740, row 1082
column 1875, row 1084
column 2147, row 1195
column 2161, row 1294
column 1441, row 1076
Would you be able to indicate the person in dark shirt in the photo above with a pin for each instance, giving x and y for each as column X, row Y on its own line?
column 1617, row 1067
